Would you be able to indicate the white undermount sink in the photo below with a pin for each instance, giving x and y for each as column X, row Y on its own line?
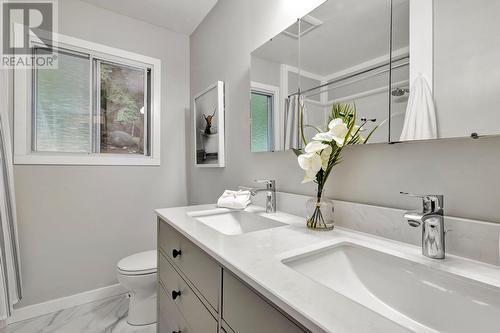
column 411, row 293
column 234, row 222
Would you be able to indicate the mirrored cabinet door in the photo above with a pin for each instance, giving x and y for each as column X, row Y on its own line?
column 337, row 54
column 273, row 75
column 345, row 48
column 466, row 67
column 400, row 63
column 454, row 77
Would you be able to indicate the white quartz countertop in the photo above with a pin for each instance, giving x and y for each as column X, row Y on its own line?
column 256, row 258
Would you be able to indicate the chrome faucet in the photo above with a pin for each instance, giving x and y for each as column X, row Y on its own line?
column 431, row 218
column 270, row 190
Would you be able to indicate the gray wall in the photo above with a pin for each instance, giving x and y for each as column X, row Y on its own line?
column 265, row 71
column 465, row 171
column 76, row 222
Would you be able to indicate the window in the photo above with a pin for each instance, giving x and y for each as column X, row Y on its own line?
column 123, row 102
column 100, row 106
column 264, row 108
column 61, row 108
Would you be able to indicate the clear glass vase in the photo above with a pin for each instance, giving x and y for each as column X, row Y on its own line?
column 320, row 213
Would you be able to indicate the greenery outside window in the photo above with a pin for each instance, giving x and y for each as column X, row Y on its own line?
column 264, row 109
column 262, row 119
column 100, row 106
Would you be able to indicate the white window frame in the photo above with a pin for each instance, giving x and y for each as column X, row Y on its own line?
column 23, row 153
column 273, row 91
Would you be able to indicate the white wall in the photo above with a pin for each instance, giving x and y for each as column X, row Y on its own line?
column 465, row 171
column 76, row 222
column 466, row 82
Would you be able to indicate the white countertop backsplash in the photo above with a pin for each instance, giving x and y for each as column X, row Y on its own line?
column 471, row 239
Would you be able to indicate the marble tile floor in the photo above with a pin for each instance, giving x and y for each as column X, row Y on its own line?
column 104, row 316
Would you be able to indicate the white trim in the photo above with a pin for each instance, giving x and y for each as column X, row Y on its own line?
column 328, row 103
column 85, row 159
column 283, row 101
column 303, row 73
column 347, row 71
column 368, row 92
column 22, row 111
column 275, row 92
column 422, row 40
column 367, row 64
column 221, row 161
column 40, row 309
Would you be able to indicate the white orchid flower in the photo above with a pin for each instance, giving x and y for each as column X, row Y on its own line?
column 325, row 157
column 314, row 147
column 309, row 177
column 311, row 163
column 339, row 131
column 323, row 136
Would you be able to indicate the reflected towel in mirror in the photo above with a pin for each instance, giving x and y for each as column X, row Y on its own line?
column 420, row 119
column 293, row 106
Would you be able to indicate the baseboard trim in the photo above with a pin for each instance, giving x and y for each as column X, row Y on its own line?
column 40, row 309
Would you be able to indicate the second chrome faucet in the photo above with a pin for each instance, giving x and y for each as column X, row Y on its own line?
column 270, row 191
column 431, row 218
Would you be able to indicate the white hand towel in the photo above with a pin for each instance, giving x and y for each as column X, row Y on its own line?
column 420, row 119
column 234, row 199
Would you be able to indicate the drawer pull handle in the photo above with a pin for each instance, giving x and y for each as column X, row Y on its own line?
column 176, row 253
column 176, row 332
column 175, row 294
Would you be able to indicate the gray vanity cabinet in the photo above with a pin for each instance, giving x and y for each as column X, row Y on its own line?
column 170, row 318
column 197, row 266
column 246, row 312
column 197, row 317
column 197, row 295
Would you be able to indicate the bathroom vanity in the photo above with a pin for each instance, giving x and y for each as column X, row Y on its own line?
column 197, row 294
column 250, row 271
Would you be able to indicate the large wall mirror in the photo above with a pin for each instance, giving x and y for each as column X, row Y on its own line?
column 414, row 69
column 274, row 76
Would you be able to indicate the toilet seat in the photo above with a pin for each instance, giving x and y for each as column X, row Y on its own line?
column 138, row 264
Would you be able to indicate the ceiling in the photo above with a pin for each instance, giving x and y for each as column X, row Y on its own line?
column 352, row 32
column 182, row 16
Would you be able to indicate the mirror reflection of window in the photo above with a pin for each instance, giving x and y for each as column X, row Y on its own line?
column 264, row 106
column 262, row 112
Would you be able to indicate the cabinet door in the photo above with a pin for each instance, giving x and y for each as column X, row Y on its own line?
column 169, row 318
column 197, row 266
column 185, row 300
column 246, row 312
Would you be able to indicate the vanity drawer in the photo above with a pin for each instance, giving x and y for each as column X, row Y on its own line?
column 198, row 267
column 196, row 314
column 246, row 312
column 169, row 318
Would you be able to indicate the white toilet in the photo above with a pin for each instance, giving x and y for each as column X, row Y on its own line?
column 137, row 273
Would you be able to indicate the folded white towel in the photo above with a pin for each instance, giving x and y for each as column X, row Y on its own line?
column 234, row 199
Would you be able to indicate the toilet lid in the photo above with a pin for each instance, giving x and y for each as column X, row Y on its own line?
column 139, row 263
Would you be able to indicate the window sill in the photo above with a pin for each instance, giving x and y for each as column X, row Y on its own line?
column 90, row 159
